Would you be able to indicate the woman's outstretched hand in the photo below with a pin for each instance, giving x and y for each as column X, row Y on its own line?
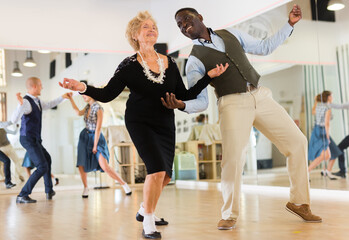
column 218, row 70
column 72, row 84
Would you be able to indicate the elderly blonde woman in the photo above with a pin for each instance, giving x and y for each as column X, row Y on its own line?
column 149, row 76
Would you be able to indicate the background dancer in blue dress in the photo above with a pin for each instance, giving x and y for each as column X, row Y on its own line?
column 321, row 145
column 93, row 151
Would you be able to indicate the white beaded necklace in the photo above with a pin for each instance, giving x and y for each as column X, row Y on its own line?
column 149, row 75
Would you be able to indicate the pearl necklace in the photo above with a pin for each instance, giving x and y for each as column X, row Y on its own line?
column 149, row 75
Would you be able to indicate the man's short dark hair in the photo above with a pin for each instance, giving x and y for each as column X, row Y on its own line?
column 192, row 10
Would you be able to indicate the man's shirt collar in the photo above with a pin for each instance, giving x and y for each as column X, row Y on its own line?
column 203, row 41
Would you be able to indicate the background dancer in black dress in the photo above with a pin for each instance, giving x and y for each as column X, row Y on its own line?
column 149, row 76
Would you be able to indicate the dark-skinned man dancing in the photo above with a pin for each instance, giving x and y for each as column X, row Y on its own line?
column 242, row 103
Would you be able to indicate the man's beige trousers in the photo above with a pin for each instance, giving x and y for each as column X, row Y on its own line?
column 238, row 113
column 10, row 152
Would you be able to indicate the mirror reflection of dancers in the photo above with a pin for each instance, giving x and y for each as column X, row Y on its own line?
column 93, row 151
column 7, row 170
column 10, row 153
column 344, row 144
column 30, row 113
column 29, row 165
column 321, row 145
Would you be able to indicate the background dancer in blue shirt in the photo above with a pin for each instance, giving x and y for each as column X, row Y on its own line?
column 30, row 113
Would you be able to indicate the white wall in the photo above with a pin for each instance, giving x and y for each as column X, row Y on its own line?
column 342, row 18
column 311, row 42
column 287, row 86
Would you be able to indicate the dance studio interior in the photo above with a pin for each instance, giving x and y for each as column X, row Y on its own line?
column 85, row 40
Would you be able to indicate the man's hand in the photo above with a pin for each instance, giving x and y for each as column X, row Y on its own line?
column 172, row 102
column 295, row 15
column 67, row 95
column 19, row 98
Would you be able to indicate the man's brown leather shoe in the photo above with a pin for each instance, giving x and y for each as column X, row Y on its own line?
column 226, row 224
column 303, row 211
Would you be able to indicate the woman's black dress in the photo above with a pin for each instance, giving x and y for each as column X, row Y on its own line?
column 150, row 124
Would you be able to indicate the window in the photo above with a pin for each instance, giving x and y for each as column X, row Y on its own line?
column 3, row 110
column 2, row 68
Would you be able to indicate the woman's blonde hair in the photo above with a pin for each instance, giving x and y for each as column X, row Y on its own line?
column 134, row 25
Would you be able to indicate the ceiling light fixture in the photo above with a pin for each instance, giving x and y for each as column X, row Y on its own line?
column 16, row 71
column 335, row 5
column 29, row 61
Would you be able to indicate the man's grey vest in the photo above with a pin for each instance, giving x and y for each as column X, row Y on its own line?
column 240, row 70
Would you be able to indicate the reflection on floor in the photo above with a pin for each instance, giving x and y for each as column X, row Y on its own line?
column 268, row 177
column 66, row 182
column 192, row 208
column 279, row 177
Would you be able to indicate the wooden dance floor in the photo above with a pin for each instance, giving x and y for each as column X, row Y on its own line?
column 193, row 211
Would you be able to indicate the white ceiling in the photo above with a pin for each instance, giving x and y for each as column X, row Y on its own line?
column 99, row 25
